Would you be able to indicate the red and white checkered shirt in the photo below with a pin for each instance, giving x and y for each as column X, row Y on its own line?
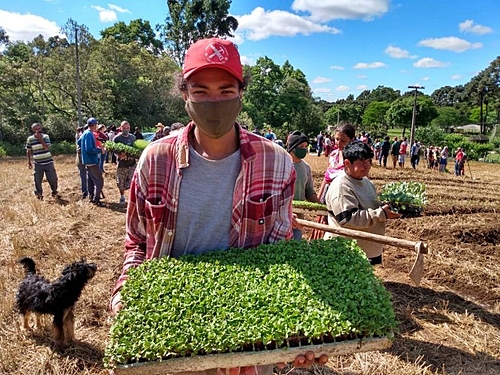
column 262, row 198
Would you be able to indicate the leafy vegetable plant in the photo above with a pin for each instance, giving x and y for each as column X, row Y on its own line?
column 122, row 148
column 404, row 196
column 271, row 296
column 309, row 205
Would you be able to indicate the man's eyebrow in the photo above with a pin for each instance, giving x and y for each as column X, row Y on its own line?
column 220, row 87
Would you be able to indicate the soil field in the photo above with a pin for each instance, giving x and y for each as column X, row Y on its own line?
column 450, row 324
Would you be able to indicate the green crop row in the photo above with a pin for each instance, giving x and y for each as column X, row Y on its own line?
column 224, row 301
column 309, row 205
column 404, row 195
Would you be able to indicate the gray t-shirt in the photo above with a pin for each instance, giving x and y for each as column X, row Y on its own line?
column 205, row 204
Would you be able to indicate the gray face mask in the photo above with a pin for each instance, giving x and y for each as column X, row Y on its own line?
column 214, row 118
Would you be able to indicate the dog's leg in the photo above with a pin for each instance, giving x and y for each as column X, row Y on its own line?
column 58, row 329
column 69, row 325
column 25, row 324
column 39, row 323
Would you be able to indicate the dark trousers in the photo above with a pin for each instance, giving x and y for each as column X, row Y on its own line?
column 49, row 171
column 95, row 181
column 83, row 179
column 383, row 160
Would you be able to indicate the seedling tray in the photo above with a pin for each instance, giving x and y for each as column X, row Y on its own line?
column 250, row 358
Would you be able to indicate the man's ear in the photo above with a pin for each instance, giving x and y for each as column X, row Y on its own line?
column 347, row 163
column 184, row 96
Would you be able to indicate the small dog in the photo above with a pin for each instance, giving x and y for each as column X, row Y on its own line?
column 36, row 294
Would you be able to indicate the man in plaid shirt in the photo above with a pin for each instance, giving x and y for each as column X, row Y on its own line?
column 212, row 186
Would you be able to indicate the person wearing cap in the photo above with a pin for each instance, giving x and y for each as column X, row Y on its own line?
column 352, row 200
column 297, row 144
column 214, row 185
column 126, row 165
column 38, row 154
column 90, row 159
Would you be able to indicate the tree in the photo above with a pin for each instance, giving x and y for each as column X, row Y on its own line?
column 447, row 117
column 137, row 31
column 190, row 20
column 77, row 34
column 380, row 94
column 375, row 113
column 400, row 112
column 4, row 38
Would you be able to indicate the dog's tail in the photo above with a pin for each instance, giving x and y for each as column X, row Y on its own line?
column 28, row 264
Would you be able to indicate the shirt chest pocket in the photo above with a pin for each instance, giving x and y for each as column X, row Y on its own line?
column 261, row 213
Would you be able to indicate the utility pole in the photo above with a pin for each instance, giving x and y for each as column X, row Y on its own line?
column 414, row 114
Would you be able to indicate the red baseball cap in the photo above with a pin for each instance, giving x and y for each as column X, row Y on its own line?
column 213, row 53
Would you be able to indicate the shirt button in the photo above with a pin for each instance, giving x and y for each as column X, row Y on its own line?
column 170, row 233
column 173, row 200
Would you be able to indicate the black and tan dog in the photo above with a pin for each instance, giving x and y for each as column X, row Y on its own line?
column 37, row 294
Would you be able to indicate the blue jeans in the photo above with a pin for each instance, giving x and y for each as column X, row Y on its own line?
column 297, row 234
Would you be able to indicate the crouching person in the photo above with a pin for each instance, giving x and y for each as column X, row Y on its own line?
column 352, row 200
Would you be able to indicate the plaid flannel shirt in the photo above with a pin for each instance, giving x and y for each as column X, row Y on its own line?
column 262, row 199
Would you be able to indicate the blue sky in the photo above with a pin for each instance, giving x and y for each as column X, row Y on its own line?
column 342, row 46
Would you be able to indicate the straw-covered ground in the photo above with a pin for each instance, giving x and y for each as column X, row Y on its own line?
column 450, row 324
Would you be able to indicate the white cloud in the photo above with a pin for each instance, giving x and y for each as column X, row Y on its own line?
column 398, row 53
column 322, row 90
column 105, row 15
column 336, row 67
column 327, row 10
column 319, row 80
column 27, row 26
column 373, row 65
column 245, row 60
column 342, row 88
column 426, row 78
column 109, row 15
column 469, row 27
column 450, row 43
column 118, row 9
column 362, row 76
column 428, row 62
column 262, row 24
column 456, row 77
column 361, row 87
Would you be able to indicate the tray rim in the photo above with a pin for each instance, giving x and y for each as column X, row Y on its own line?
column 239, row 359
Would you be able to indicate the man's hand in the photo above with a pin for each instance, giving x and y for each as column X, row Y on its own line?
column 306, row 360
column 295, row 223
column 390, row 214
column 30, row 166
column 116, row 303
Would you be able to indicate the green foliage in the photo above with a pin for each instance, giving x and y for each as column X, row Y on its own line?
column 448, row 116
column 141, row 144
column 224, row 301
column 13, row 150
column 137, row 31
column 403, row 195
column 496, row 142
column 431, row 135
column 190, row 20
column 63, row 148
column 473, row 150
column 3, row 153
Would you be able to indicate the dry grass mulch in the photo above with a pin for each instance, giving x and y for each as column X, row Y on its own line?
column 450, row 324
